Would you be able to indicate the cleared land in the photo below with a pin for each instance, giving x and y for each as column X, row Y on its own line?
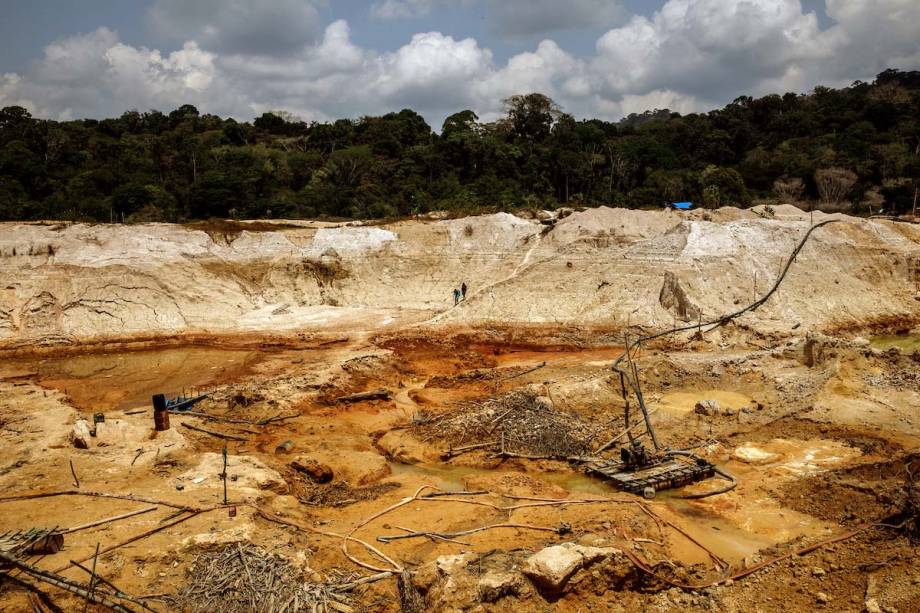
column 818, row 416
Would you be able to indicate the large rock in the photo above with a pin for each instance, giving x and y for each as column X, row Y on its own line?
column 551, row 568
column 80, row 435
column 673, row 298
column 454, row 564
column 707, row 408
column 404, row 448
column 455, row 586
column 316, row 471
column 494, row 586
column 356, row 467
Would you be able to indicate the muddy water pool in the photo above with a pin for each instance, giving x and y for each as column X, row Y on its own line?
column 124, row 380
column 906, row 343
column 735, row 536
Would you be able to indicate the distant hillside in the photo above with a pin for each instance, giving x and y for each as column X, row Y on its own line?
column 856, row 148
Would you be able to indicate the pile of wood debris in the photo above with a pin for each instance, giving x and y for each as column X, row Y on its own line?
column 520, row 423
column 246, row 578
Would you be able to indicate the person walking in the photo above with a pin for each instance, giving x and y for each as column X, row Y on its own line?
column 456, row 296
column 463, row 290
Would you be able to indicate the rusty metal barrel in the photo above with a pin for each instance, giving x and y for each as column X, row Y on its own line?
column 160, row 413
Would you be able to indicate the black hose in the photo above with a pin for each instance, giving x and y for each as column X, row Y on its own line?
column 733, row 483
column 720, row 321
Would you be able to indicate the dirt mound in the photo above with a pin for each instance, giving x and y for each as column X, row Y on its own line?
column 623, row 226
column 77, row 283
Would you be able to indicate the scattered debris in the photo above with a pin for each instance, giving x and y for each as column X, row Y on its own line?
column 707, row 408
column 316, row 471
column 381, row 394
column 35, row 541
column 553, row 566
column 223, row 435
column 520, row 423
column 244, row 578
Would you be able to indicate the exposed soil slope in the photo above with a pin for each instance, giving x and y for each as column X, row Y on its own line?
column 63, row 283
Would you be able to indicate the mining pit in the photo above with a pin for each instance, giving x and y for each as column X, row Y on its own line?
column 363, row 444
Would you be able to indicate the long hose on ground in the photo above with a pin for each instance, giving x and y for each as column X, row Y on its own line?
column 714, row 323
column 721, row 321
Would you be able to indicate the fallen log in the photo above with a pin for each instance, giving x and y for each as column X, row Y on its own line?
column 346, row 587
column 62, row 582
column 449, row 535
column 454, row 452
column 131, row 497
column 208, row 416
column 526, row 372
column 115, row 591
column 229, row 437
column 381, row 394
column 137, row 537
column 108, row 520
column 265, row 422
column 504, row 453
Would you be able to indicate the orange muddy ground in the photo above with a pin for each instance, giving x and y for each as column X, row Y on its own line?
column 818, row 450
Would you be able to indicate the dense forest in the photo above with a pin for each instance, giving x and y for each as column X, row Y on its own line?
column 856, row 148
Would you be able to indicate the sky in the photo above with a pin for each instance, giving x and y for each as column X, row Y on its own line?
column 328, row 59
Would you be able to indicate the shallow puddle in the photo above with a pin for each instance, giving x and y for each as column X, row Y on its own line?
column 452, row 478
column 793, row 457
column 510, row 356
column 732, row 525
column 116, row 381
column 681, row 403
column 906, row 343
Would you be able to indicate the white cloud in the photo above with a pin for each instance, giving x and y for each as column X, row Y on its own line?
column 690, row 55
column 515, row 18
column 94, row 74
column 539, row 17
column 706, row 48
column 239, row 26
column 401, row 9
column 658, row 99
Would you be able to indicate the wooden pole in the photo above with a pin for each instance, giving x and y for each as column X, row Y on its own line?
column 61, row 582
column 217, row 434
column 109, row 520
column 73, row 472
column 224, row 474
column 192, row 513
column 116, row 592
column 92, row 580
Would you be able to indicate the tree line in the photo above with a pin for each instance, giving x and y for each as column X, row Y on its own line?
column 855, row 148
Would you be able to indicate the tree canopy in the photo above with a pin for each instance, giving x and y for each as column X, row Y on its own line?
column 865, row 139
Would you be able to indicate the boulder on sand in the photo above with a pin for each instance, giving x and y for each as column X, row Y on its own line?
column 316, row 471
column 707, row 408
column 494, row 586
column 80, row 434
column 551, row 568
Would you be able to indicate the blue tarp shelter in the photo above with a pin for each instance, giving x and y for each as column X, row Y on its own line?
column 682, row 206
